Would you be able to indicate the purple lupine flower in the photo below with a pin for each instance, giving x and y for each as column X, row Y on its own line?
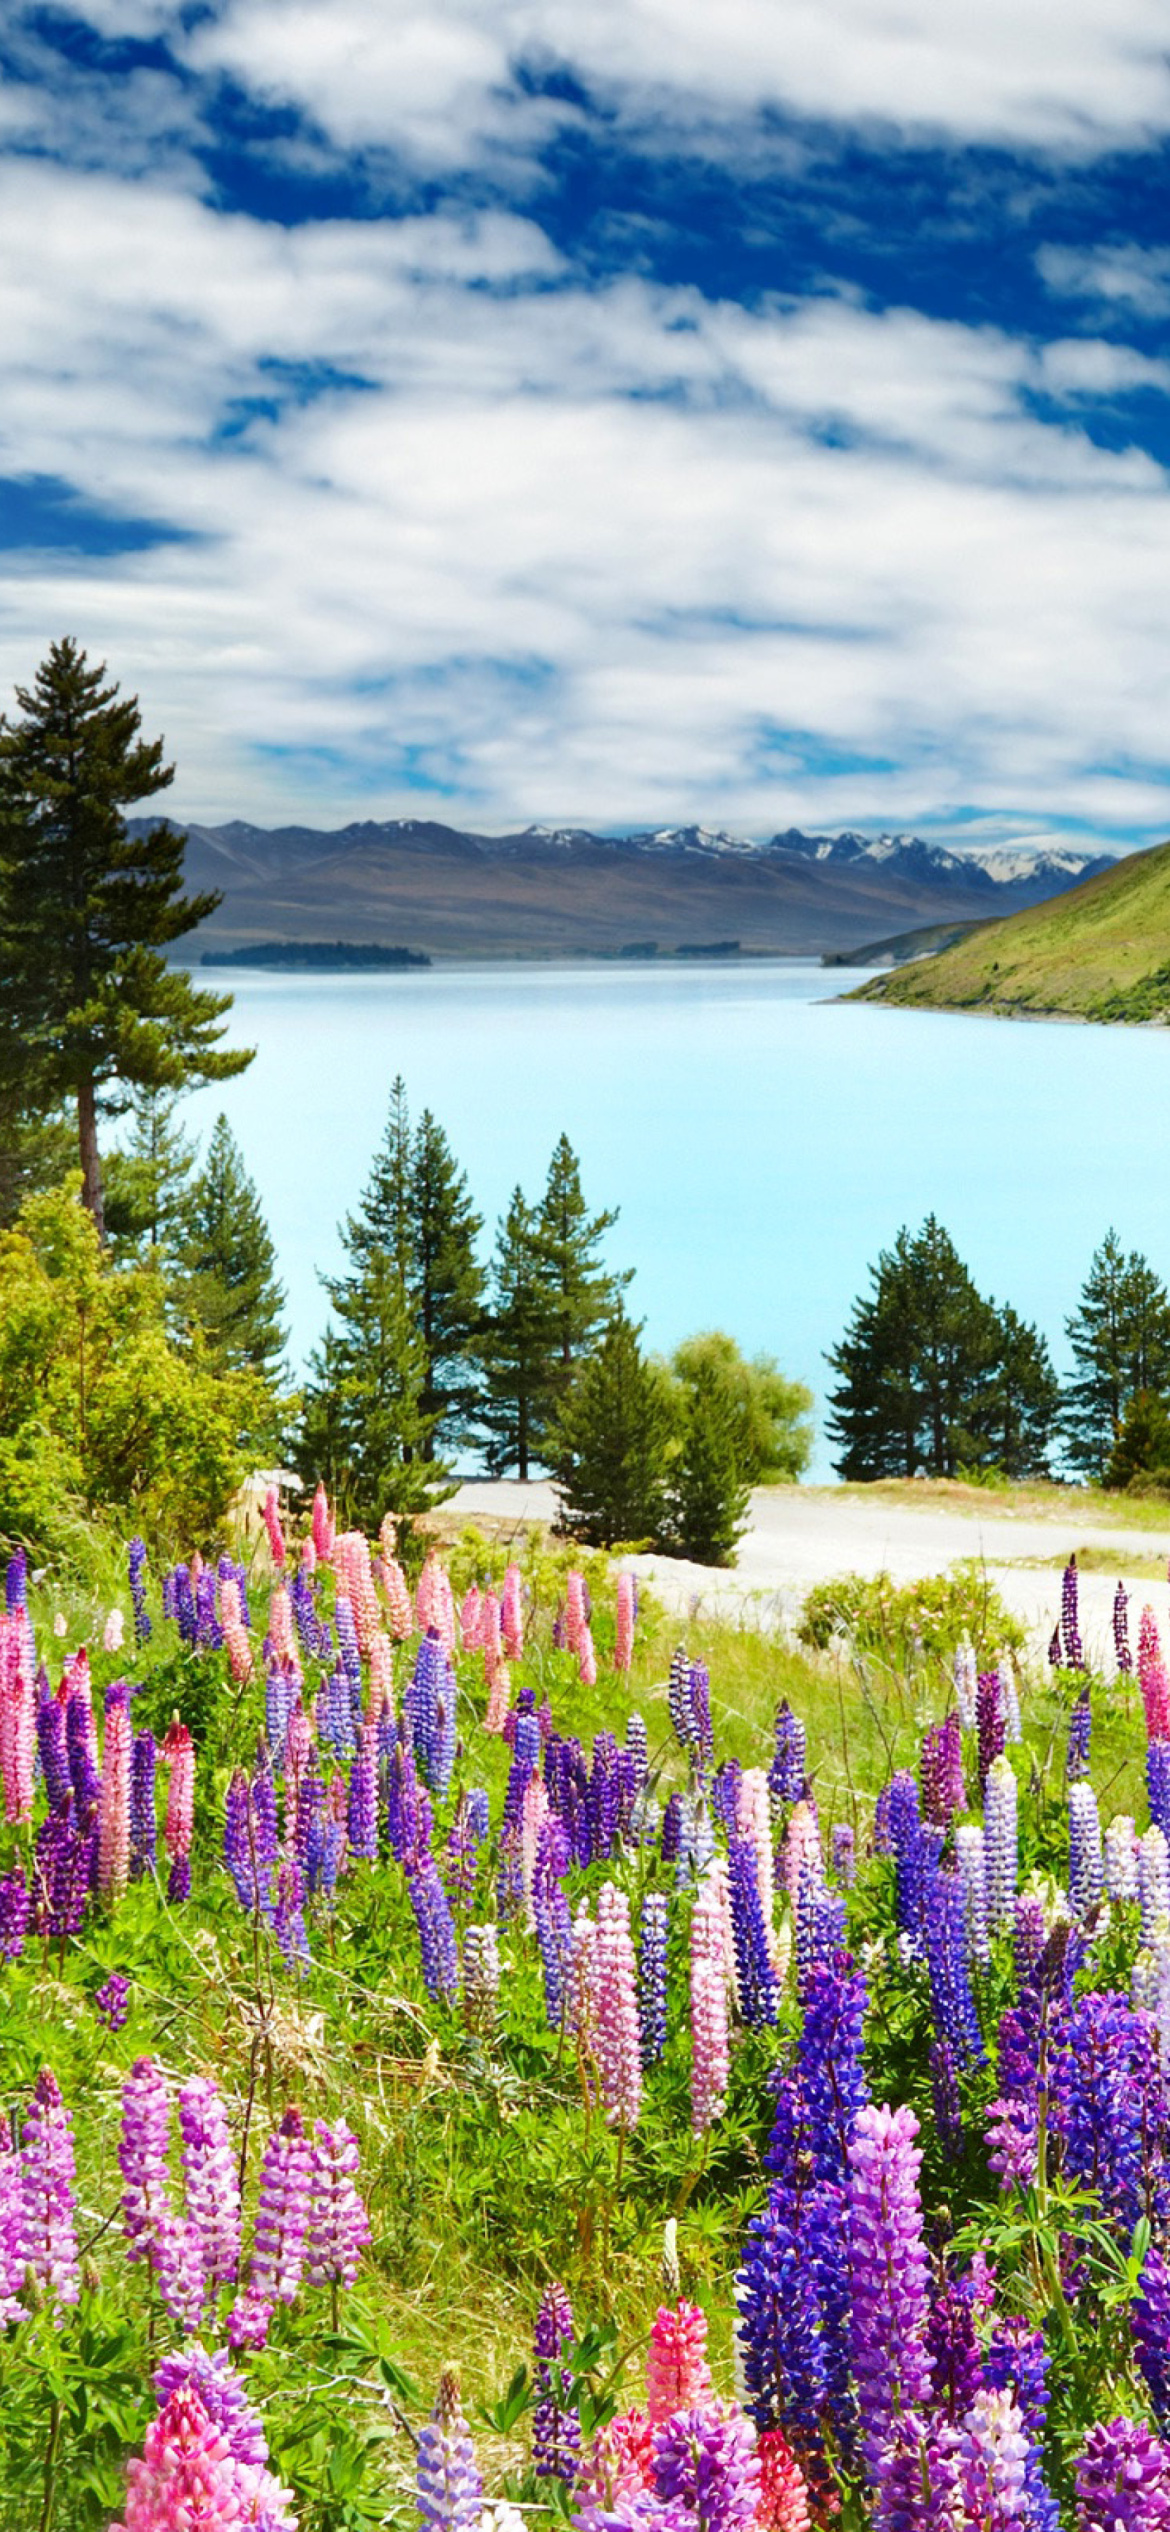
column 177, row 2261
column 1086, row 1864
column 1080, row 1734
column 1030, row 1935
column 1017, row 2361
column 14, row 1913
column 725, row 1793
column 888, row 2266
column 637, row 1749
column 556, row 2429
column 820, row 1921
column 224, row 2397
column 51, row 1746
column 334, row 1712
column 525, row 1761
column 1123, row 2479
column 1150, row 2326
column 81, row 1746
column 952, row 2003
column 1121, row 1629
column 954, row 2348
column 16, row 1581
column 779, row 2323
column 652, row 1975
column 844, row 1859
column 948, row 2107
column 348, row 1649
column 339, row 2227
column 179, row 1880
column 829, row 2063
column 136, row 1561
column 112, row 2001
column 786, row 1773
column 143, row 2157
column 1105, row 2100
column 239, row 1838
column 901, row 1824
column 759, row 1994
column 920, row 2488
column 943, row 1790
column 680, row 1701
column 436, row 1931
column 670, row 1839
column 279, row 2240
column 209, row 2170
column 604, row 1794
column 48, row 2192
column 280, row 1696
column 362, row 1814
column 420, row 1700
column 143, row 1825
column 1158, row 1784
column 705, row 2463
column 12, row 2259
column 208, row 1631
column 449, row 2487
column 991, row 1720
column 288, row 1915
column 463, row 1844
column 993, row 2459
column 1070, row 1631
column 701, row 1709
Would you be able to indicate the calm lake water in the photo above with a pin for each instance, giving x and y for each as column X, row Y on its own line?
column 762, row 1140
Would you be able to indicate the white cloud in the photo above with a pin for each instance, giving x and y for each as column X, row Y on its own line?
column 1134, row 280
column 596, row 554
column 438, row 79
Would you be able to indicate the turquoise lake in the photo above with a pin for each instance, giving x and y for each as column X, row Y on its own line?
column 762, row 1140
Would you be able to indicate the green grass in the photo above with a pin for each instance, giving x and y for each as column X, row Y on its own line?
column 1101, row 952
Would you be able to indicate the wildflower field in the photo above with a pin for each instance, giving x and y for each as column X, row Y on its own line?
column 467, row 2058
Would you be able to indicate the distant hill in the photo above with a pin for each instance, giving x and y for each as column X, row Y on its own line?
column 1101, row 952
column 559, row 892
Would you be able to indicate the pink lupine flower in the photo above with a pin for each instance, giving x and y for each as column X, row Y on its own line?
column 282, row 2217
column 322, row 1526
column 753, row 1819
column 619, row 2053
column 428, row 1598
column 381, row 1675
column 499, row 1698
column 280, row 1623
column 114, row 1632
column 339, row 2227
column 12, row 2260
column 446, row 1621
column 114, row 1802
column 512, row 1613
column 802, row 1845
column 272, row 1525
column 783, row 2503
column 677, row 2373
column 397, row 1590
column 582, row 1995
column 710, row 2066
column 534, row 1813
column 47, row 2183
column 178, row 1750
column 586, row 1657
column 308, row 1557
column 351, row 1558
column 620, row 2462
column 179, row 2265
column 212, row 2181
column 17, row 1743
column 623, row 1651
column 491, row 1634
column 575, row 1617
column 188, row 2479
column 1155, row 1686
column 469, row 1617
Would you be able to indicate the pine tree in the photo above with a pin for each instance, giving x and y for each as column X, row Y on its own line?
column 1017, row 1418
column 447, row 1281
column 87, row 911
column 1141, row 1454
column 517, row 1344
column 147, row 1180
column 1120, row 1337
column 582, row 1293
column 227, row 1263
column 708, row 1495
column 915, row 1366
column 362, row 1427
column 611, row 1443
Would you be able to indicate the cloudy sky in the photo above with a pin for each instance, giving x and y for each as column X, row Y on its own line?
column 623, row 411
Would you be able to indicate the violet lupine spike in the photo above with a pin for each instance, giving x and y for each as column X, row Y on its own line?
column 680, row 1701
column 993, row 2461
column 829, row 2064
column 1121, row 1645
column 136, row 1562
column 54, row 1756
column 1080, row 1733
column 16, row 1581
column 1123, row 2479
column 652, row 1976
column 1158, row 1784
column 363, row 1801
column 1150, row 2328
column 339, row 2227
column 1070, row 1630
column 943, row 1790
column 144, row 2158
column 448, row 2484
column 210, row 2174
column 15, row 1903
column 1000, row 1840
column 223, row 2395
column 12, row 2258
column 143, row 1824
column 891, row 2363
column 786, row 1773
column 705, row 2465
column 556, row 2429
column 279, row 2241
column 48, row 2193
column 436, row 1930
column 952, row 2003
column 954, row 2348
column 991, row 1720
column 112, row 2001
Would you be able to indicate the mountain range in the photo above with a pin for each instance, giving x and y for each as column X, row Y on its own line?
column 556, row 892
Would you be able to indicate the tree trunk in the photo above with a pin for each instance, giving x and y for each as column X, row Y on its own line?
column 91, row 1164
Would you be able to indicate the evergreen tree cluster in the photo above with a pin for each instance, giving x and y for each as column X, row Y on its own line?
column 934, row 1379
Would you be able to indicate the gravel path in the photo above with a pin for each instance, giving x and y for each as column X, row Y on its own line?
column 804, row 1535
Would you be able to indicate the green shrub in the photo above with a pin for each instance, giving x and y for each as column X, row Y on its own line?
column 906, row 1623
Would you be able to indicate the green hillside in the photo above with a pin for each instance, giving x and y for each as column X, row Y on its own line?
column 1100, row 953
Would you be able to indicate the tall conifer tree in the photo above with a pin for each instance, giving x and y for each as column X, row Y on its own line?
column 518, row 1342
column 611, row 1443
column 147, row 1180
column 87, row 911
column 227, row 1263
column 447, row 1283
column 1120, row 1337
column 582, row 1293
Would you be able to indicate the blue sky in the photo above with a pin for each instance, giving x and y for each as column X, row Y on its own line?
column 633, row 413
